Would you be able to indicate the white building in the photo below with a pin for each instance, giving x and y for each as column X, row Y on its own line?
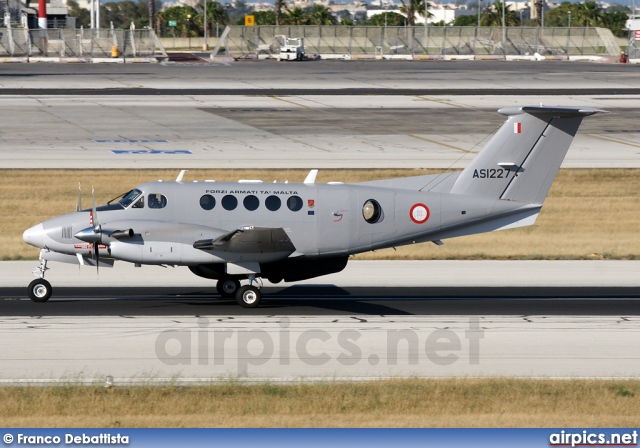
column 439, row 14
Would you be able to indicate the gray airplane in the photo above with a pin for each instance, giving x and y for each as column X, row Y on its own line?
column 247, row 230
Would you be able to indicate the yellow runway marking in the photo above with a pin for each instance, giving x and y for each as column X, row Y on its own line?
column 446, row 103
column 440, row 143
column 290, row 102
column 614, row 140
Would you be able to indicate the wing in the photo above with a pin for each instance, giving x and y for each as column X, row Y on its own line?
column 246, row 240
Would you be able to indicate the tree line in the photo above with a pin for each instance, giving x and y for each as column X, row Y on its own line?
column 189, row 21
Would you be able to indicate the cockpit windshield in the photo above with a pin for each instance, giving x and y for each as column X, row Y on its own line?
column 129, row 197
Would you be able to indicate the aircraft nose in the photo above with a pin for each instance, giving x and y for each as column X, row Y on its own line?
column 34, row 236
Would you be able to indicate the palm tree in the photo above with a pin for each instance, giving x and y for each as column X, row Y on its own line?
column 321, row 15
column 560, row 16
column 410, row 7
column 538, row 5
column 216, row 15
column 295, row 16
column 492, row 16
column 422, row 9
column 387, row 18
column 278, row 5
column 590, row 14
column 152, row 14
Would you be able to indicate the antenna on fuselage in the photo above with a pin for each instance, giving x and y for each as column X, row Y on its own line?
column 311, row 177
column 181, row 175
column 79, row 203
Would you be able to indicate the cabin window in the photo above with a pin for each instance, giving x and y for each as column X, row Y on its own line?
column 207, row 202
column 294, row 203
column 229, row 202
column 157, row 201
column 371, row 211
column 251, row 202
column 273, row 203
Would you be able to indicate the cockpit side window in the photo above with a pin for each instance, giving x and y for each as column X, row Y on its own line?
column 130, row 197
column 139, row 204
column 157, row 201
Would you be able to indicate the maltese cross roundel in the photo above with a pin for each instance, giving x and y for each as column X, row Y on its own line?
column 419, row 213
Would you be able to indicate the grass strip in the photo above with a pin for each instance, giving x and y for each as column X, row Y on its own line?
column 499, row 402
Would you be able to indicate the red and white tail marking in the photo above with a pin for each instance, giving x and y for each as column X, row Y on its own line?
column 517, row 128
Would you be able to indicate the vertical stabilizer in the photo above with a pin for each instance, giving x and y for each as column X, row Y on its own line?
column 521, row 160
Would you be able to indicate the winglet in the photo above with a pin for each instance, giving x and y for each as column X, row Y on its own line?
column 311, row 177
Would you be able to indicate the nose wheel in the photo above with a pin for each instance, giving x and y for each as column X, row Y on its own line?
column 40, row 290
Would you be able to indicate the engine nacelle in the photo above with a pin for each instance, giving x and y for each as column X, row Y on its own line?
column 128, row 251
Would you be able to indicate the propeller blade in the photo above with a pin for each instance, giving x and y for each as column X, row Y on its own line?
column 96, row 229
column 96, row 224
column 79, row 204
column 96, row 252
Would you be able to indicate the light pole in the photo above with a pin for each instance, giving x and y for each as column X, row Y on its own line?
column 504, row 31
column 426, row 12
column 478, row 13
column 568, row 33
column 205, row 47
column 386, row 12
column 189, row 29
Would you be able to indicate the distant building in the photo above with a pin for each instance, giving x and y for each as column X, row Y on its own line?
column 439, row 14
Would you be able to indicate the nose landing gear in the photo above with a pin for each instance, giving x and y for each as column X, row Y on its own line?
column 40, row 290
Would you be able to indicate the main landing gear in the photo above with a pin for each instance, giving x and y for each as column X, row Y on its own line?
column 228, row 287
column 40, row 290
column 247, row 296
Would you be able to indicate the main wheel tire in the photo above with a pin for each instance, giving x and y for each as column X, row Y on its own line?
column 40, row 290
column 248, row 296
column 228, row 287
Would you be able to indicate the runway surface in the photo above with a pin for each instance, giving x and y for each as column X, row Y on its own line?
column 565, row 319
column 315, row 114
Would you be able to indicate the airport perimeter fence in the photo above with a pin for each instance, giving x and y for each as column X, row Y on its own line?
column 633, row 47
column 78, row 43
column 431, row 40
